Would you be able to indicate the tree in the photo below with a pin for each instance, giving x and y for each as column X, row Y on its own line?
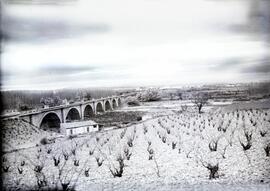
column 56, row 100
column 24, row 107
column 51, row 102
column 88, row 96
column 149, row 95
column 200, row 100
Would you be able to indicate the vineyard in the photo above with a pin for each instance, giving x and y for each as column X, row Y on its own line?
column 164, row 152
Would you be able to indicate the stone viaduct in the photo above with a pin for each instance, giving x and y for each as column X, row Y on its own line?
column 84, row 110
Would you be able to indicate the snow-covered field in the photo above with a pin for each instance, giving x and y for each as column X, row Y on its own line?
column 170, row 150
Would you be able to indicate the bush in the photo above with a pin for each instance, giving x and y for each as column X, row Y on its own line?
column 213, row 171
column 145, row 130
column 267, row 149
column 248, row 136
column 86, row 172
column 150, row 151
column 56, row 160
column 66, row 156
column 44, row 141
column 139, row 118
column 118, row 172
column 72, row 136
column 76, row 162
column 91, row 151
column 173, row 145
column 149, row 95
column 99, row 161
column 38, row 168
column 213, row 145
column 20, row 170
column 127, row 153
column 6, row 168
column 131, row 101
column 130, row 141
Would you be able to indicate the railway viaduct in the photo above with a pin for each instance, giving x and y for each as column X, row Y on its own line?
column 53, row 116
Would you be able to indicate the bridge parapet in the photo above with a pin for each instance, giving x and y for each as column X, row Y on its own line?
column 36, row 111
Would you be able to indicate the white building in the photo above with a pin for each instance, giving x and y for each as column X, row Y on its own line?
column 78, row 127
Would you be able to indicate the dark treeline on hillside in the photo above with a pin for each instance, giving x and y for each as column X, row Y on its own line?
column 16, row 99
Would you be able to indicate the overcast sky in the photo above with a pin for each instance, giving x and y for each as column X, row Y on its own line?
column 113, row 43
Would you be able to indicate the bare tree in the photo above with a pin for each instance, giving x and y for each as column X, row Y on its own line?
column 200, row 100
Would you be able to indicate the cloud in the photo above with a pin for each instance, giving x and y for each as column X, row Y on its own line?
column 186, row 44
column 227, row 64
column 65, row 69
column 260, row 66
column 258, row 20
column 43, row 2
column 20, row 29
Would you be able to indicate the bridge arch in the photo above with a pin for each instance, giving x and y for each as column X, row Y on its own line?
column 114, row 104
column 88, row 112
column 108, row 106
column 50, row 121
column 73, row 114
column 99, row 107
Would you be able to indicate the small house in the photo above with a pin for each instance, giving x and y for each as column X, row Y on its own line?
column 78, row 127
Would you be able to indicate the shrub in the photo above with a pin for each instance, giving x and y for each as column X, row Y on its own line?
column 145, row 130
column 49, row 151
column 41, row 183
column 6, row 168
column 99, row 161
column 91, row 151
column 127, row 153
column 139, row 118
column 183, row 108
column 132, row 101
column 23, row 163
column 267, row 149
column 38, row 168
column 73, row 151
column 151, row 152
column 44, row 141
column 248, row 136
column 20, row 170
column 86, row 172
column 263, row 132
column 66, row 186
column 173, row 145
column 164, row 139
column 213, row 145
column 72, row 136
column 76, row 162
column 4, row 159
column 56, row 161
column 118, row 172
column 122, row 134
column 213, row 171
column 66, row 156
column 130, row 141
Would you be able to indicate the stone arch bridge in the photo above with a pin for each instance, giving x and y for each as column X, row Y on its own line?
column 53, row 116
